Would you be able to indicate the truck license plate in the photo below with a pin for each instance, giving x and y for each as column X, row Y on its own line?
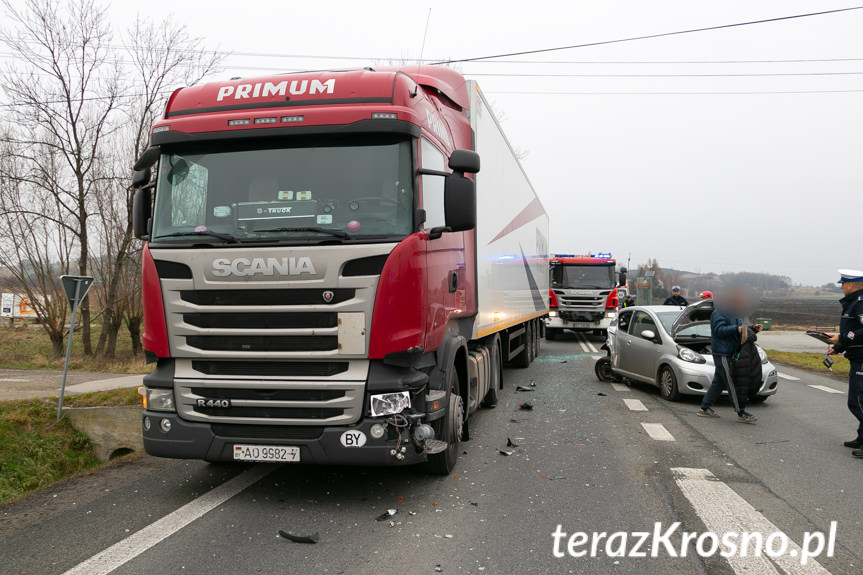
column 270, row 453
column 580, row 324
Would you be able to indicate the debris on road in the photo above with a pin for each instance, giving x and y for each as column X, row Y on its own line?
column 523, row 388
column 313, row 538
column 506, row 453
column 448, row 536
column 525, row 405
column 601, row 394
column 532, row 383
column 387, row 514
column 510, row 443
column 474, row 503
column 438, row 568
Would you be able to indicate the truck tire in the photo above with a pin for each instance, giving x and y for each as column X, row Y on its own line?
column 496, row 377
column 524, row 358
column 448, row 428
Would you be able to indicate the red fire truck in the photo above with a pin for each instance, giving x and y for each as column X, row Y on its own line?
column 583, row 294
column 329, row 277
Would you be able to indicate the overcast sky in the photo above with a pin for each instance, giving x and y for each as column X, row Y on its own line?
column 716, row 182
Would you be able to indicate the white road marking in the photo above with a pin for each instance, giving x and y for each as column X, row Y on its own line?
column 825, row 388
column 724, row 511
column 123, row 551
column 634, row 405
column 14, row 380
column 786, row 376
column 620, row 387
column 597, row 356
column 585, row 343
column 657, row 432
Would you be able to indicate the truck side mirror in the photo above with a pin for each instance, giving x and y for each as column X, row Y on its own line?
column 148, row 158
column 464, row 161
column 459, row 203
column 141, row 178
column 141, row 202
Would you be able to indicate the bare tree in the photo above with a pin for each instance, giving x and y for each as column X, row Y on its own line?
column 36, row 244
column 163, row 56
column 63, row 92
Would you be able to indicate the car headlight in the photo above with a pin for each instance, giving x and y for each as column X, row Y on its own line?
column 687, row 354
column 389, row 403
column 762, row 355
column 159, row 399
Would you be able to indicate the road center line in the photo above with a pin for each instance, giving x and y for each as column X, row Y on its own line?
column 723, row 511
column 825, row 388
column 786, row 376
column 123, row 551
column 620, row 387
column 657, row 432
column 582, row 342
column 634, row 405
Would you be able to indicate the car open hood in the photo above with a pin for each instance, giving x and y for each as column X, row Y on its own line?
column 695, row 314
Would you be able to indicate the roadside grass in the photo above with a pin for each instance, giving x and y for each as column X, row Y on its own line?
column 36, row 450
column 811, row 362
column 30, row 348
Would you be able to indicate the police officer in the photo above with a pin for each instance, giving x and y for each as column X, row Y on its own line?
column 675, row 298
column 849, row 341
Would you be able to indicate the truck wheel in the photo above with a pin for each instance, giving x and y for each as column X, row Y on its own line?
column 495, row 383
column 551, row 334
column 603, row 370
column 448, row 428
column 668, row 384
column 524, row 358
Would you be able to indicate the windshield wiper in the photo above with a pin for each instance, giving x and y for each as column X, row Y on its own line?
column 227, row 237
column 336, row 233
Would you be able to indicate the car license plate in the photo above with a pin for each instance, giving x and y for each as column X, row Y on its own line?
column 272, row 453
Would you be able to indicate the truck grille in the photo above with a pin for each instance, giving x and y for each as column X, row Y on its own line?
column 271, row 368
column 269, row 297
column 310, row 320
column 263, row 342
column 267, row 431
column 272, row 402
column 582, row 301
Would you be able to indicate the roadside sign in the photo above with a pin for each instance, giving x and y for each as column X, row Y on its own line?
column 76, row 288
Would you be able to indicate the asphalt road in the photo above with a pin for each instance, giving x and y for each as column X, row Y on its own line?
column 584, row 461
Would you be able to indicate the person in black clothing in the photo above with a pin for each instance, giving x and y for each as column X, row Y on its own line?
column 849, row 341
column 675, row 298
column 746, row 368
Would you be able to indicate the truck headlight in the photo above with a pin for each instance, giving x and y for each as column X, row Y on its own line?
column 611, row 314
column 159, row 399
column 389, row 403
column 552, row 314
column 687, row 354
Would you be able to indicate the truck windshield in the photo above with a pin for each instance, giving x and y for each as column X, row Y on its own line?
column 329, row 192
column 582, row 277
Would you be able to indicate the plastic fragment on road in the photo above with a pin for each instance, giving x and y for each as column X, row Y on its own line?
column 523, row 388
column 510, row 443
column 387, row 514
column 526, row 405
column 506, row 453
column 313, row 538
column 601, row 394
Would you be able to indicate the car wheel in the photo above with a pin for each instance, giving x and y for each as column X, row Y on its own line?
column 668, row 384
column 603, row 370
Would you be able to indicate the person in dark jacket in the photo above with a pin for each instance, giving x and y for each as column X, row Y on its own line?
column 726, row 329
column 746, row 368
column 849, row 341
column 675, row 298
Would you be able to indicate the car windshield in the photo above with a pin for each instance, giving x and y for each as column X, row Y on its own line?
column 352, row 190
column 667, row 319
column 582, row 276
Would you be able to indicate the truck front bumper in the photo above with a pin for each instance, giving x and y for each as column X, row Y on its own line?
column 557, row 322
column 318, row 446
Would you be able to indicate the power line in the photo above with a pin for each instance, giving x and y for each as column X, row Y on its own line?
column 730, row 75
column 647, row 36
column 746, row 93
